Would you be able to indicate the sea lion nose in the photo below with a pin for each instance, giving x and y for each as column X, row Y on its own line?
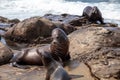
column 54, row 42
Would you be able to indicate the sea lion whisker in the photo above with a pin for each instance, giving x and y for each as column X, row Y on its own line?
column 59, row 54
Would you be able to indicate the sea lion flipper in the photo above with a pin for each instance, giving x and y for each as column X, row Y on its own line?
column 16, row 59
column 14, row 64
column 102, row 22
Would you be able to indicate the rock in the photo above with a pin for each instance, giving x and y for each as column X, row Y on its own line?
column 77, row 72
column 35, row 73
column 73, row 20
column 99, row 48
column 5, row 54
column 3, row 19
column 6, row 20
column 29, row 30
column 15, row 21
column 66, row 21
column 66, row 27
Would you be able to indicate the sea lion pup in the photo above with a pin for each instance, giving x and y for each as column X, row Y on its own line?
column 93, row 14
column 58, row 49
column 60, row 45
column 55, row 71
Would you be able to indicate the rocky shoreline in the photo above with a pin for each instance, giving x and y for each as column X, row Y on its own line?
column 94, row 48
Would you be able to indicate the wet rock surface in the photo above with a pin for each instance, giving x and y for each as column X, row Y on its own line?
column 76, row 71
column 98, row 48
column 10, row 73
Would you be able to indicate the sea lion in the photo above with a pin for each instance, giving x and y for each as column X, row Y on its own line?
column 27, row 56
column 58, row 49
column 93, row 14
column 55, row 71
column 60, row 45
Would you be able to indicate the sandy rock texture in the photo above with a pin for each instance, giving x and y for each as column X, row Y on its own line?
column 98, row 48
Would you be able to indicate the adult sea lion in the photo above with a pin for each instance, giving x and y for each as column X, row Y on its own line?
column 93, row 14
column 55, row 71
column 58, row 49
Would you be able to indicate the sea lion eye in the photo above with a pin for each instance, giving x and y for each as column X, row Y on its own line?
column 57, row 37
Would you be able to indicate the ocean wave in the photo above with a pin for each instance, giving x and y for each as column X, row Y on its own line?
column 26, row 8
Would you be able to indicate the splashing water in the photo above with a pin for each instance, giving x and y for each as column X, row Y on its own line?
column 27, row 8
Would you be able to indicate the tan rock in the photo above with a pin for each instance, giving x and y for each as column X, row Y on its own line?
column 99, row 48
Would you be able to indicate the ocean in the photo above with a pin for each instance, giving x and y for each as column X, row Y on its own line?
column 23, row 9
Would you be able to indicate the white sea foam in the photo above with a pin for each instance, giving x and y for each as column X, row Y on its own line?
column 27, row 8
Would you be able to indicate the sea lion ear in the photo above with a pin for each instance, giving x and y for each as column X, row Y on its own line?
column 95, row 9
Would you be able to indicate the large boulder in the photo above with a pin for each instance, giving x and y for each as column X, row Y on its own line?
column 5, row 54
column 99, row 49
column 29, row 30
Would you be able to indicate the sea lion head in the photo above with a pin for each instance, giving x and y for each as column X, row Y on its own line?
column 95, row 10
column 60, row 44
column 58, row 36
